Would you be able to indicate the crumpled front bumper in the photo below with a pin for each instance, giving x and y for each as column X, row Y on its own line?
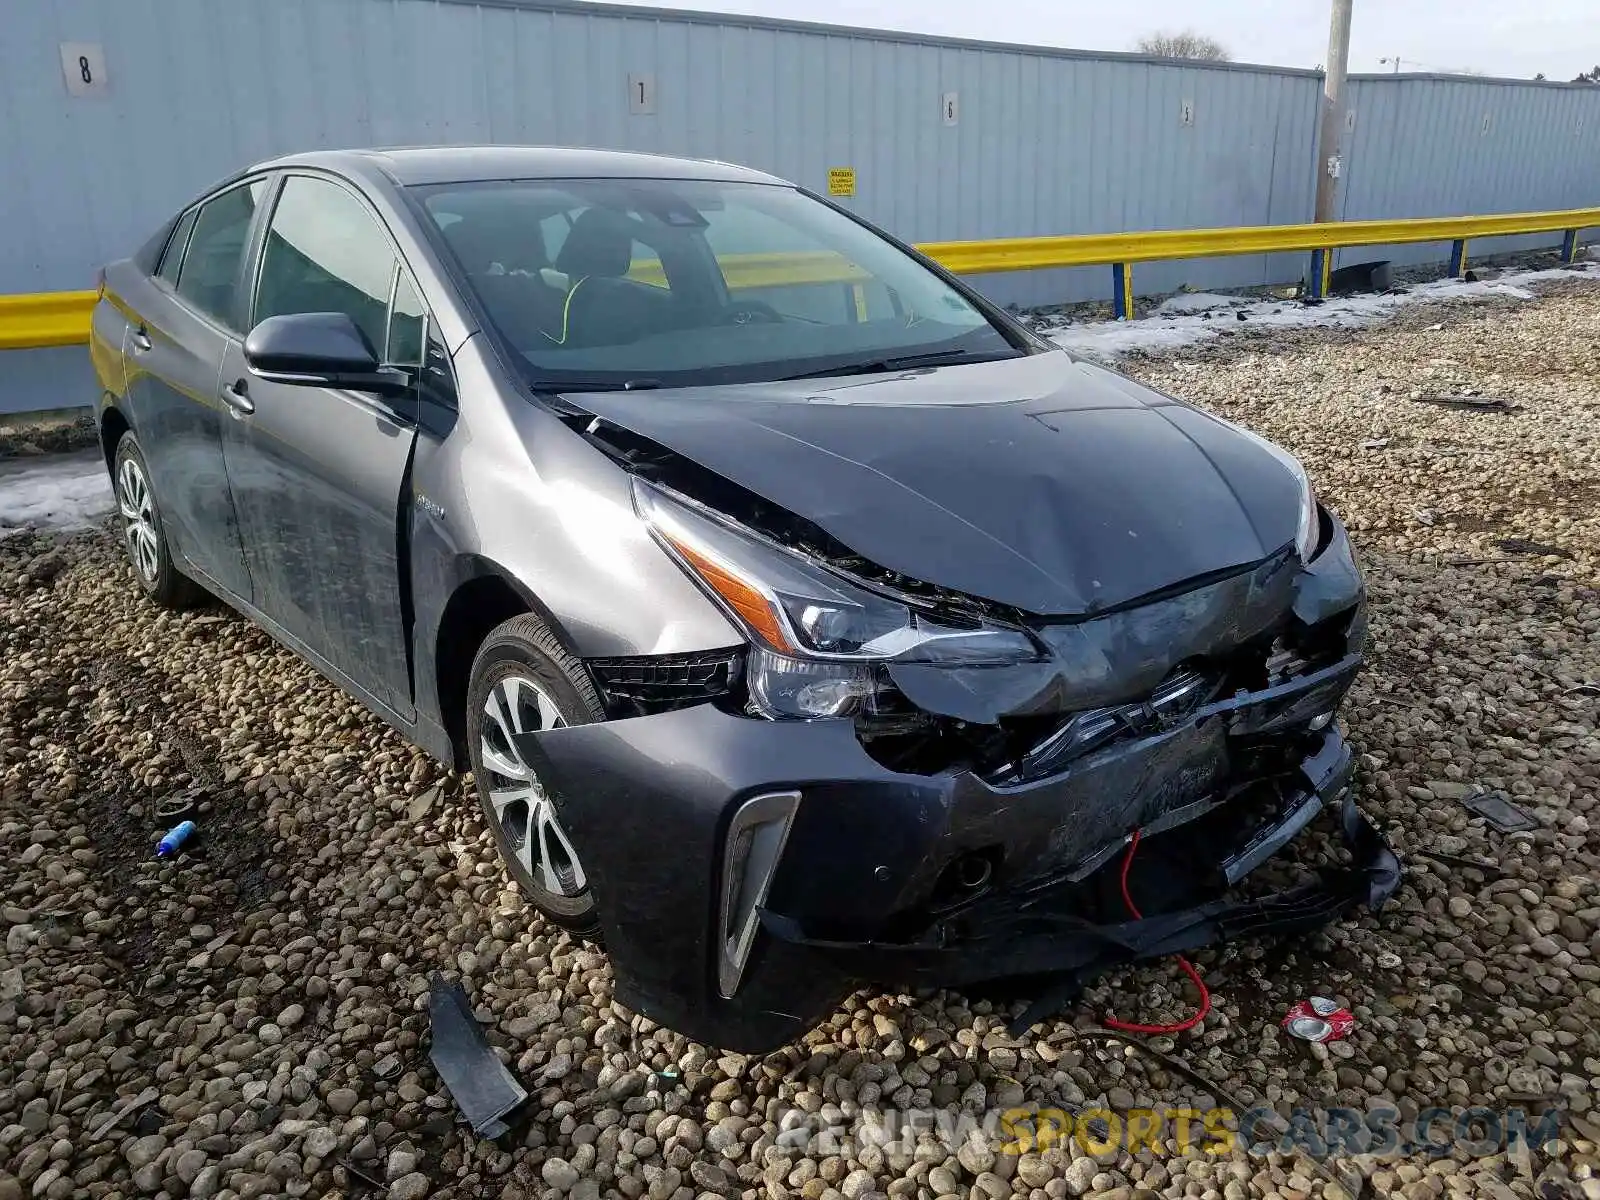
column 649, row 803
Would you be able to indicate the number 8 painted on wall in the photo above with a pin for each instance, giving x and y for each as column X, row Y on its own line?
column 83, row 68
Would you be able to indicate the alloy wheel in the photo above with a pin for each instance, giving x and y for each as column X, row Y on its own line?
column 138, row 519
column 527, row 815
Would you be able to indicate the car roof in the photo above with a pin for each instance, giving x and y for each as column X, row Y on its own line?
column 458, row 164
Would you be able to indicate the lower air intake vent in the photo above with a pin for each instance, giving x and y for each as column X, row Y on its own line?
column 635, row 687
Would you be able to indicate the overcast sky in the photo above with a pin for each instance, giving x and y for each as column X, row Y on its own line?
column 1517, row 38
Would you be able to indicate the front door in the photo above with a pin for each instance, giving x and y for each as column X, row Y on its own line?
column 319, row 475
column 174, row 350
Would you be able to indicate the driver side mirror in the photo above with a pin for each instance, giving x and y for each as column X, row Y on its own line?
column 325, row 349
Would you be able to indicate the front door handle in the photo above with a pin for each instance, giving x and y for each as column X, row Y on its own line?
column 235, row 398
column 140, row 339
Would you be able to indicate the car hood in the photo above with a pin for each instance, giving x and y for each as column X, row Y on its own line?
column 1041, row 482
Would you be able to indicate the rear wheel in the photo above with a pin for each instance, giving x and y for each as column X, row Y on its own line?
column 142, row 533
column 524, row 681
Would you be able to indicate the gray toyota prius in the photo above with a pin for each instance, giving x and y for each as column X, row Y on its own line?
column 804, row 620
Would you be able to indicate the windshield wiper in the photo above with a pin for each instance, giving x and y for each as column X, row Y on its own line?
column 642, row 384
column 903, row 362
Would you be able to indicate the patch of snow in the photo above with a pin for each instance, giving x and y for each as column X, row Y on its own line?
column 1198, row 302
column 1109, row 340
column 57, row 491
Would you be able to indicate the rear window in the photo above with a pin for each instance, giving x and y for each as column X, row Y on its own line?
column 209, row 276
column 172, row 256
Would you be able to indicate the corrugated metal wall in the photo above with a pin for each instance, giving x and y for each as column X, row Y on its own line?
column 1431, row 146
column 1044, row 141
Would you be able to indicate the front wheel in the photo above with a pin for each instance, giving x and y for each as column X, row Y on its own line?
column 524, row 681
column 142, row 533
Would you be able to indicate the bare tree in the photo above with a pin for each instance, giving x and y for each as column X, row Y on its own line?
column 1185, row 43
column 1588, row 76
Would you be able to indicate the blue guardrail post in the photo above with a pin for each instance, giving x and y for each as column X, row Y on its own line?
column 1318, row 288
column 1569, row 245
column 1122, row 290
column 1458, row 258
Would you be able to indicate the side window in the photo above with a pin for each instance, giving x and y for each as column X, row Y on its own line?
column 172, row 256
column 553, row 229
column 408, row 323
column 326, row 253
column 645, row 267
column 210, row 267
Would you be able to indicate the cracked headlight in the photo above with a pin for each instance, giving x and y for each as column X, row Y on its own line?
column 820, row 638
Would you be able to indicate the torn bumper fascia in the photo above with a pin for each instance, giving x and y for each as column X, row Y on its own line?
column 1026, row 935
column 650, row 804
column 484, row 1090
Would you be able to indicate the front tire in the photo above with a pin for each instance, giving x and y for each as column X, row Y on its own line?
column 143, row 536
column 523, row 681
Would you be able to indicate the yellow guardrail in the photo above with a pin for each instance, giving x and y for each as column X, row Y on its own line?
column 1096, row 249
column 62, row 318
column 743, row 271
column 1122, row 250
column 47, row 319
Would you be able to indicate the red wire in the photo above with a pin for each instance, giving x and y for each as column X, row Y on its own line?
column 1188, row 967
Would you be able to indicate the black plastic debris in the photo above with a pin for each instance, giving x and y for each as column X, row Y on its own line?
column 1521, row 545
column 479, row 1083
column 149, row 1121
column 1499, row 812
column 1376, row 276
column 1469, row 403
column 179, row 805
column 356, row 1172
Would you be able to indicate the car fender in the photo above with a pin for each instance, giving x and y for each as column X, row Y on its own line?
column 513, row 485
column 512, row 492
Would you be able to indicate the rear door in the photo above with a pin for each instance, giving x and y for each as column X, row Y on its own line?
column 183, row 320
column 318, row 474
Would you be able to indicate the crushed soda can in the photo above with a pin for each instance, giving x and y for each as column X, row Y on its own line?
column 1319, row 1020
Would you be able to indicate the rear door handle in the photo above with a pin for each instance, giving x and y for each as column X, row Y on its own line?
column 234, row 397
column 140, row 339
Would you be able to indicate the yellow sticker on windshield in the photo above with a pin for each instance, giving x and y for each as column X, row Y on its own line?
column 841, row 181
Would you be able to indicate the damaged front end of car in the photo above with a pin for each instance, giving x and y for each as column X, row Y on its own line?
column 896, row 784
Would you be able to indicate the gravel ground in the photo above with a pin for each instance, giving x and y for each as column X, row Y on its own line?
column 259, row 1002
column 30, row 435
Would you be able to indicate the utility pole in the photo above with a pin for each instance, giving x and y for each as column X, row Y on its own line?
column 1330, row 137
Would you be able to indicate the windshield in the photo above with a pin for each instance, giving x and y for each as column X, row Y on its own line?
column 603, row 283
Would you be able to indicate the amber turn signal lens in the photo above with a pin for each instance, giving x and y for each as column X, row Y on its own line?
column 754, row 609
